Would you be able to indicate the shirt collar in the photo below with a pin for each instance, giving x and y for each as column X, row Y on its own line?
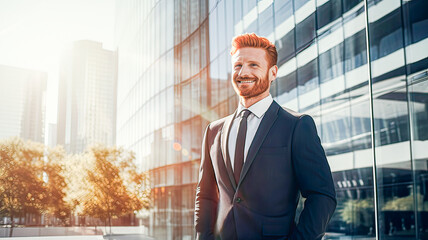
column 259, row 108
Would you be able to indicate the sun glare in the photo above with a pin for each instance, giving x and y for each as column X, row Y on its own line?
column 33, row 34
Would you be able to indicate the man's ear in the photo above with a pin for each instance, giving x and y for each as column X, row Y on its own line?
column 273, row 71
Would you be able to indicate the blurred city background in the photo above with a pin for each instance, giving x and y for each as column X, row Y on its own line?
column 103, row 105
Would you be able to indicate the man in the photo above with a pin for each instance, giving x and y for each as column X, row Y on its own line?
column 257, row 161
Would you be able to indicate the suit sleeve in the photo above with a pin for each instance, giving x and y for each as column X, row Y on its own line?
column 314, row 179
column 206, row 195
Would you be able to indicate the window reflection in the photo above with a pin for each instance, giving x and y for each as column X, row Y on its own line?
column 266, row 22
column 249, row 5
column 307, row 77
column 399, row 183
column 299, row 3
column 194, row 54
column 356, row 51
column 332, row 63
column 418, row 96
column 287, row 90
column 184, row 6
column 386, row 35
column 349, row 4
column 285, row 47
column 329, row 12
column 305, row 32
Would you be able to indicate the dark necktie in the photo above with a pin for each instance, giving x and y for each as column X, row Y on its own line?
column 240, row 145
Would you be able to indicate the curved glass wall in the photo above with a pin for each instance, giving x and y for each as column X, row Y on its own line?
column 361, row 74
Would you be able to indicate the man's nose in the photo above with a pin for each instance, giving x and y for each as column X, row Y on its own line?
column 244, row 72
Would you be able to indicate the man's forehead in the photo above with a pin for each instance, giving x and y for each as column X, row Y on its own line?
column 249, row 53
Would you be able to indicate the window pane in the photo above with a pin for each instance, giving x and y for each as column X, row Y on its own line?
column 305, row 31
column 331, row 63
column 329, row 12
column 285, row 47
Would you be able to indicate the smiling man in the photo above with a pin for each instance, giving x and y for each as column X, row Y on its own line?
column 257, row 161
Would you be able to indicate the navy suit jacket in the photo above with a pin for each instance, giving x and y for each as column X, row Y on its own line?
column 285, row 159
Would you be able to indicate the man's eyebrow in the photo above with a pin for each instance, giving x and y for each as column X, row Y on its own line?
column 254, row 61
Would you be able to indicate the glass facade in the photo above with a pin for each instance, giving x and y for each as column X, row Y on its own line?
column 359, row 68
column 398, row 40
column 22, row 103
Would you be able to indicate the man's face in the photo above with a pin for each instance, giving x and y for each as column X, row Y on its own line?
column 251, row 75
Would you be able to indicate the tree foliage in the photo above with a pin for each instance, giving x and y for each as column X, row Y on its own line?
column 56, row 185
column 102, row 183
column 358, row 212
column 116, row 187
column 405, row 203
column 76, row 167
column 21, row 177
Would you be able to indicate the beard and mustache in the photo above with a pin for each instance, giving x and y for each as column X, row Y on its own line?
column 250, row 90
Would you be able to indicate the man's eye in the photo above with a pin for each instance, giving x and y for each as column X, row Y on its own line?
column 254, row 65
column 238, row 66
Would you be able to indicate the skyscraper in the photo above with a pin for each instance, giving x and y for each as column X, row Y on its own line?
column 359, row 67
column 22, row 103
column 87, row 96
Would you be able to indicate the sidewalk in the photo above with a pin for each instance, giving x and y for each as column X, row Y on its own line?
column 79, row 237
column 82, row 237
column 81, row 233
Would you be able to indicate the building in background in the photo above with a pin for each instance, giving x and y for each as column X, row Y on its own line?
column 52, row 133
column 22, row 103
column 360, row 68
column 87, row 96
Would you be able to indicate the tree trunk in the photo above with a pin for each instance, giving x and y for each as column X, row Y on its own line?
column 11, row 226
column 109, row 220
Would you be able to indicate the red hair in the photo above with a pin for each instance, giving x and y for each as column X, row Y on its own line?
column 252, row 40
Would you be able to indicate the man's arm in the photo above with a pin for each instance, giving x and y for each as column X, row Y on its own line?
column 206, row 195
column 314, row 179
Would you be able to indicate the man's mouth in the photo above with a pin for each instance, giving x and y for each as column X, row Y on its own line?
column 246, row 81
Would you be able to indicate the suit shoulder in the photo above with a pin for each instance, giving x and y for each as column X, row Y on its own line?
column 217, row 125
column 301, row 119
column 292, row 114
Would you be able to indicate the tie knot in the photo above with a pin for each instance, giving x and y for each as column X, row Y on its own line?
column 245, row 113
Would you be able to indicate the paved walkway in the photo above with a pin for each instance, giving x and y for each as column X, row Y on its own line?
column 128, row 237
column 82, row 237
column 79, row 237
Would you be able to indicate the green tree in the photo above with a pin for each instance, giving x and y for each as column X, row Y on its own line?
column 116, row 186
column 405, row 203
column 358, row 212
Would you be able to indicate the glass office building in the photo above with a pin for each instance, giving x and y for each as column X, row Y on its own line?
column 22, row 103
column 86, row 96
column 359, row 68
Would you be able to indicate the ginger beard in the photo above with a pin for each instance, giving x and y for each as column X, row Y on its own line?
column 250, row 90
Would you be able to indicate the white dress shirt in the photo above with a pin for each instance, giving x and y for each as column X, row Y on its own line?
column 258, row 110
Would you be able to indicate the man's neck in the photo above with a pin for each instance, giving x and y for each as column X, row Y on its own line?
column 248, row 102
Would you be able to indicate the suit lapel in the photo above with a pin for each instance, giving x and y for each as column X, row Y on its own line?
column 269, row 118
column 224, row 147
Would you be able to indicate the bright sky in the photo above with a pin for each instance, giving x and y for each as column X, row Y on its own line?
column 34, row 32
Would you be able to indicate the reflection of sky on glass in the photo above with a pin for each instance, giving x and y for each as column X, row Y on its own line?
column 33, row 34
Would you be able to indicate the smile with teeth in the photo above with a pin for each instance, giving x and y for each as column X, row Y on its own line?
column 250, row 81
